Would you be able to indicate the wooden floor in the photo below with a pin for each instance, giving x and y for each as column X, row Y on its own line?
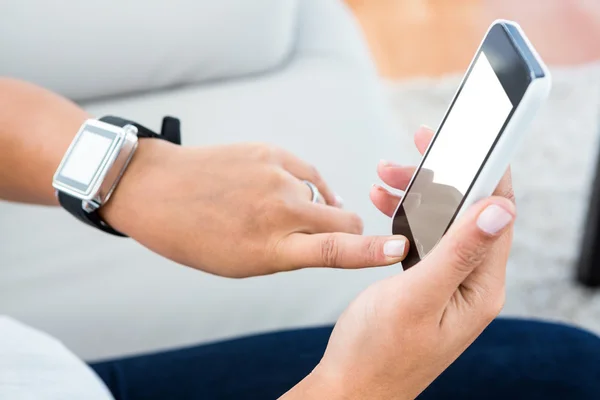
column 432, row 37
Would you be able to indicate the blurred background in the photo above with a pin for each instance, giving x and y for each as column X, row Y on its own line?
column 415, row 38
column 422, row 47
column 341, row 83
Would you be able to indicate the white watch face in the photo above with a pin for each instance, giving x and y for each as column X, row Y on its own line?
column 92, row 149
column 87, row 155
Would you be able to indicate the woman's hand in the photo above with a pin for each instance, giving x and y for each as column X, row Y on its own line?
column 239, row 210
column 401, row 333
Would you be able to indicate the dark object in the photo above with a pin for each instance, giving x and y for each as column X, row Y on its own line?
column 588, row 268
column 512, row 359
column 170, row 131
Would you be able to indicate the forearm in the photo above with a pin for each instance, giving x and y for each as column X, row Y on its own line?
column 36, row 128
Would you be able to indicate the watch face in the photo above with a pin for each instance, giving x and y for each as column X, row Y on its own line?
column 84, row 163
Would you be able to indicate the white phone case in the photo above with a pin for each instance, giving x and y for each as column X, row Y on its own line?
column 504, row 150
column 500, row 156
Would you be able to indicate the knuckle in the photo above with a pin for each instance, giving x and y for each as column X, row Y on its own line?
column 276, row 178
column 266, row 153
column 330, row 251
column 373, row 250
column 267, row 214
column 467, row 253
column 276, row 210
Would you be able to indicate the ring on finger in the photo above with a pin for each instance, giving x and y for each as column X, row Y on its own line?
column 316, row 195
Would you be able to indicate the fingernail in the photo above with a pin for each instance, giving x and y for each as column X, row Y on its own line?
column 394, row 248
column 493, row 219
column 387, row 163
column 339, row 202
column 423, row 126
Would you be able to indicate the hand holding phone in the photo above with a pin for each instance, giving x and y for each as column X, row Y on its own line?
column 505, row 85
column 405, row 330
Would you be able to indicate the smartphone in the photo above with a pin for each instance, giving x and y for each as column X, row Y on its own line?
column 504, row 87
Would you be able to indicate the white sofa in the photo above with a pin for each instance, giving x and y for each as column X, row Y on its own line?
column 295, row 73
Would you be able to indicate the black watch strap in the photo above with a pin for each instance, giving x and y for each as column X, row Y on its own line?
column 170, row 131
column 73, row 206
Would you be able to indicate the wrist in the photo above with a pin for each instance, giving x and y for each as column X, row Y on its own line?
column 320, row 384
column 132, row 190
column 325, row 383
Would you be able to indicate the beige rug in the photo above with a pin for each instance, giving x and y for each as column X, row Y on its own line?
column 552, row 174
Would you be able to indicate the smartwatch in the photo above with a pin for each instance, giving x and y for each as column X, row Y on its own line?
column 97, row 159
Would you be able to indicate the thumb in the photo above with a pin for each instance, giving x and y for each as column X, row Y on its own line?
column 342, row 250
column 467, row 245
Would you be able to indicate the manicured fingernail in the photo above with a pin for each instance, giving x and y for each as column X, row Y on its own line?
column 394, row 248
column 423, row 126
column 387, row 163
column 339, row 202
column 493, row 219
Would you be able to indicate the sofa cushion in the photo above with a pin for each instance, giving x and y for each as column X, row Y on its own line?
column 123, row 47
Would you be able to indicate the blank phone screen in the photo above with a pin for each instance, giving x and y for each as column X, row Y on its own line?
column 461, row 146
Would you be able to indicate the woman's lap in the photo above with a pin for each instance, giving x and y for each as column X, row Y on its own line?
column 524, row 359
column 257, row 367
column 511, row 359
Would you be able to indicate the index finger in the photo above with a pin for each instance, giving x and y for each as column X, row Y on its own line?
column 341, row 250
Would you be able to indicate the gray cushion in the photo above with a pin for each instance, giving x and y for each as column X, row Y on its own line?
column 89, row 49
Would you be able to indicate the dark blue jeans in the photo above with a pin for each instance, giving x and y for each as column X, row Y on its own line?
column 512, row 359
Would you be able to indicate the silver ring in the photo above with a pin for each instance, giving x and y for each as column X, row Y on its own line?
column 314, row 190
